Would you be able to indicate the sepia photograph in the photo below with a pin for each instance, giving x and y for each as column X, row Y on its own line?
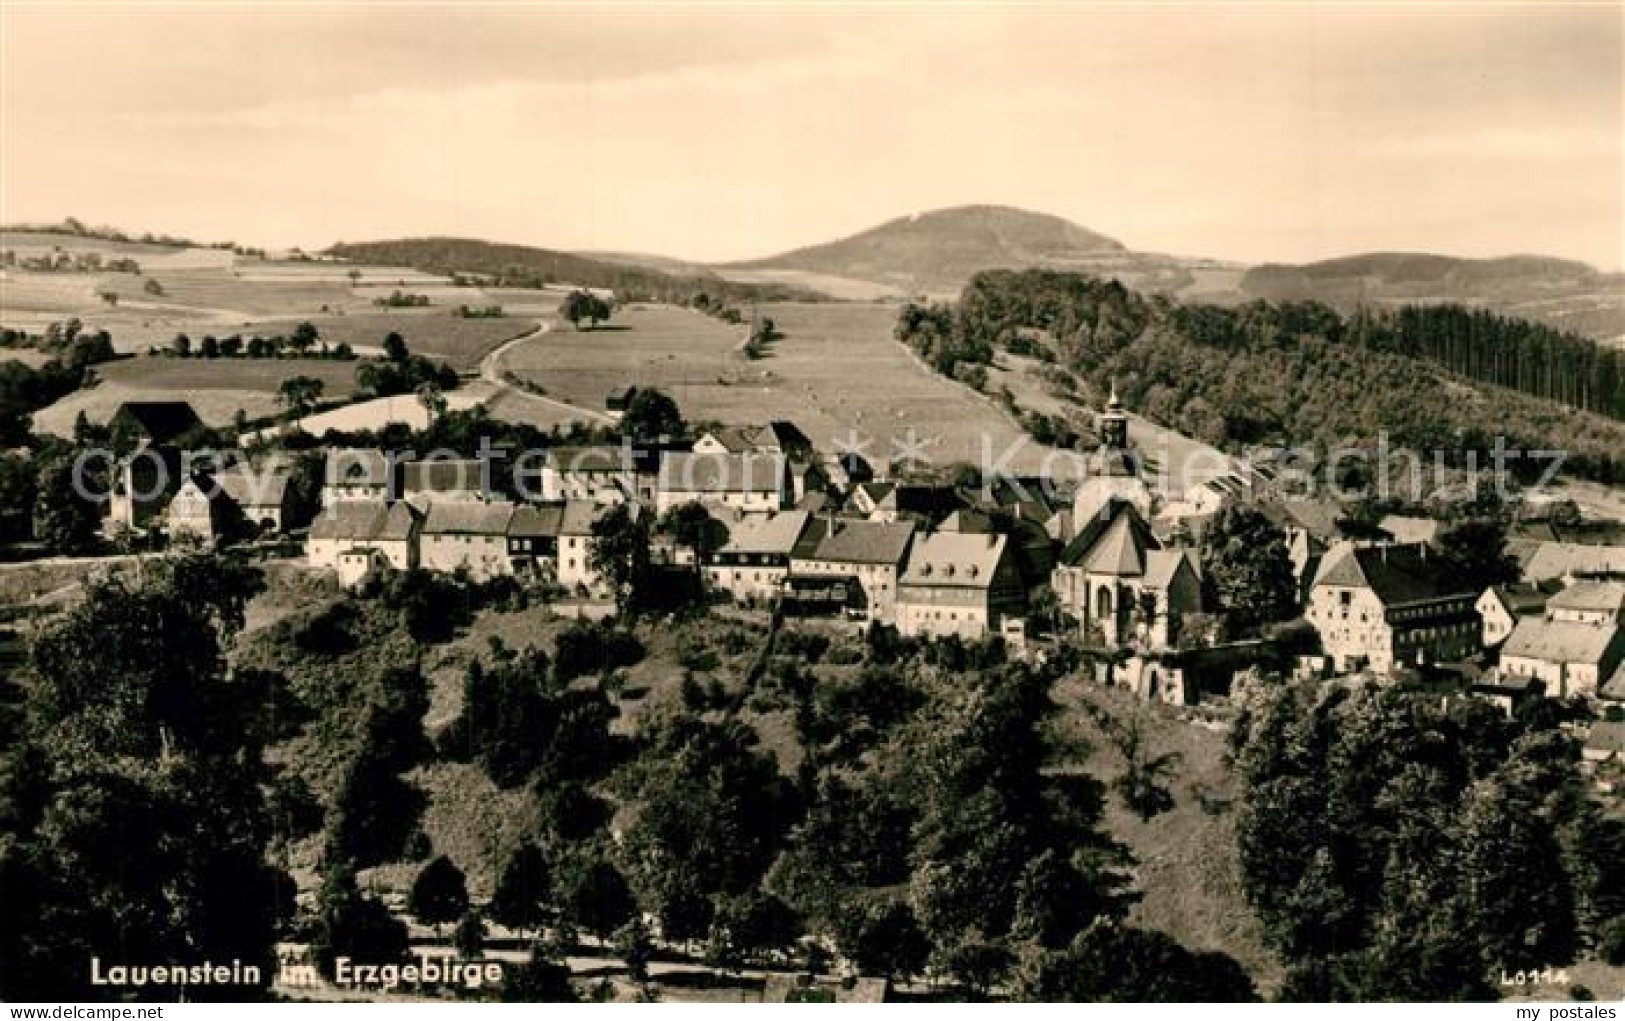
column 811, row 502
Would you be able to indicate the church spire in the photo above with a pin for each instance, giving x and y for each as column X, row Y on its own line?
column 1113, row 423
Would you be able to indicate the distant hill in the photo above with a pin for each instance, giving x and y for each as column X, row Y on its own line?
column 1562, row 293
column 938, row 251
column 525, row 266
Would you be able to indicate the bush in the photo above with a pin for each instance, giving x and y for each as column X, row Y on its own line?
column 1611, row 945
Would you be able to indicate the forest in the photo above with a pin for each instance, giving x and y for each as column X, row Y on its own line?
column 1437, row 378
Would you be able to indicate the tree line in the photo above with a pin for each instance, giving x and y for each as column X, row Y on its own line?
column 1295, row 373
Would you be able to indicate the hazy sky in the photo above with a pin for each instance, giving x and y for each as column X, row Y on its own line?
column 712, row 133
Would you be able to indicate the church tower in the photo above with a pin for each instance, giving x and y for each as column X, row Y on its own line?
column 1113, row 423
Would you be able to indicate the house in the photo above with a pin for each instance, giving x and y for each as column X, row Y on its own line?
column 359, row 474
column 921, row 503
column 1572, row 658
column 1589, row 602
column 754, row 561
column 747, row 483
column 867, row 554
column 360, row 564
column 1502, row 606
column 533, row 539
column 261, row 494
column 1390, row 606
column 1507, row 692
column 776, row 437
column 198, row 512
column 444, row 480
column 462, row 534
column 389, row 530
column 603, row 474
column 575, row 543
column 1545, row 561
column 958, row 583
column 154, row 422
column 1116, row 576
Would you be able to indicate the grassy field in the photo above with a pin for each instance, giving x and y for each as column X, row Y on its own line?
column 836, row 372
column 216, row 388
column 459, row 342
column 220, row 290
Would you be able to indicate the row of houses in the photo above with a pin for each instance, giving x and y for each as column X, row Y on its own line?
column 359, row 538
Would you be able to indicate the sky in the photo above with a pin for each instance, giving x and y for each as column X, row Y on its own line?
column 713, row 133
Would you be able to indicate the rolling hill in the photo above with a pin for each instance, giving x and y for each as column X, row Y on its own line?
column 1561, row 293
column 938, row 251
column 526, row 266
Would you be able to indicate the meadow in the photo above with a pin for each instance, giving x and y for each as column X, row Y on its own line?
column 216, row 388
column 836, row 373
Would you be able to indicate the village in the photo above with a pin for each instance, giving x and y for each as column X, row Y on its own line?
column 758, row 516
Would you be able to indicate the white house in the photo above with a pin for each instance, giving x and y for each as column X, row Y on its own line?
column 1391, row 606
column 1571, row 658
column 389, row 529
column 754, row 561
column 958, row 583
column 748, row 483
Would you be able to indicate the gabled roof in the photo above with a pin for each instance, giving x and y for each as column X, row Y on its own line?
column 467, row 517
column 535, row 521
column 158, row 421
column 1613, row 688
column 1409, row 529
column 364, row 521
column 1398, row 574
column 777, row 534
column 1162, row 564
column 752, row 472
column 954, row 560
column 1560, row 641
column 1590, row 596
column 1557, row 559
column 578, row 516
column 248, row 486
column 1119, row 551
column 353, row 466
column 864, row 542
column 1080, row 552
column 1318, row 517
column 1518, row 599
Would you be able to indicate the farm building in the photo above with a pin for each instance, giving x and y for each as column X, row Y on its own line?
column 1572, row 658
column 1501, row 607
column 151, row 422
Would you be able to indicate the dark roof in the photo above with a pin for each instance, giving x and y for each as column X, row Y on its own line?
column 467, row 517
column 538, row 521
column 158, row 421
column 864, row 542
column 1398, row 574
column 365, row 521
